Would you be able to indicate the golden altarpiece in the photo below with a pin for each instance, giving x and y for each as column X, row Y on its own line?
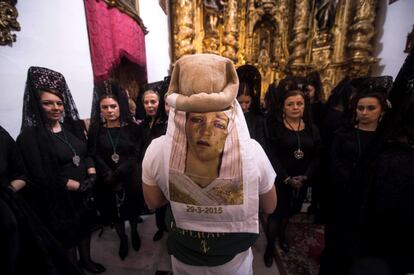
column 280, row 37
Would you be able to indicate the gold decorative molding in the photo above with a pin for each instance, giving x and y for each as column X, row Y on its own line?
column 8, row 22
column 129, row 7
column 280, row 37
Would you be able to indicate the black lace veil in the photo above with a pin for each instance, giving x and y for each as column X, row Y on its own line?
column 399, row 122
column 40, row 79
column 35, row 141
column 250, row 84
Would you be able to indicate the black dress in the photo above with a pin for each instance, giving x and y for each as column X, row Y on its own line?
column 282, row 143
column 26, row 245
column 118, row 199
column 348, row 147
column 63, row 211
column 384, row 216
column 11, row 162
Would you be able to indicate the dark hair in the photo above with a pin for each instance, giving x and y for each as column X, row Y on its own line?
column 379, row 93
column 287, row 87
column 314, row 80
column 109, row 89
column 289, row 94
column 103, row 96
column 53, row 92
column 250, row 81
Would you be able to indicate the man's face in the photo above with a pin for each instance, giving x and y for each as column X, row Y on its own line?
column 206, row 134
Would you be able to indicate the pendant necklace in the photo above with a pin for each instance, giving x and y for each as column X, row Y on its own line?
column 75, row 157
column 298, row 154
column 114, row 156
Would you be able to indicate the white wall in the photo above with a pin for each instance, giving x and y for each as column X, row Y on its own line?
column 157, row 40
column 53, row 35
column 397, row 20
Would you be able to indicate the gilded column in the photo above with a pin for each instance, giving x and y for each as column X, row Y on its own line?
column 231, row 32
column 242, row 32
column 340, row 30
column 282, row 17
column 183, row 27
column 362, row 30
column 300, row 32
column 251, row 20
column 211, row 23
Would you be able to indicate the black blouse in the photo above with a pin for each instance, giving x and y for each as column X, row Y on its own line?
column 347, row 148
column 64, row 157
column 127, row 140
column 283, row 142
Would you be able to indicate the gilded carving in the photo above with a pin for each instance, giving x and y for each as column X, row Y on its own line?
column 231, row 31
column 8, row 22
column 281, row 37
column 300, row 32
column 183, row 13
column 362, row 30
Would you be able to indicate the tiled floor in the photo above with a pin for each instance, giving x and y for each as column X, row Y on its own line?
column 152, row 256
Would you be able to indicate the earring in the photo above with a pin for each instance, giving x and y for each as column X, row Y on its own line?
column 102, row 118
column 380, row 117
column 62, row 118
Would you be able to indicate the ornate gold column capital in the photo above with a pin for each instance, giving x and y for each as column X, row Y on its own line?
column 8, row 22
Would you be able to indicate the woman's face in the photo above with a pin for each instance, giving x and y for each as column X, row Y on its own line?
column 245, row 102
column 151, row 102
column 109, row 109
column 52, row 105
column 310, row 91
column 294, row 107
column 368, row 110
column 206, row 134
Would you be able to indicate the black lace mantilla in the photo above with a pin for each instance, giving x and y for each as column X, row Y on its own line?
column 39, row 79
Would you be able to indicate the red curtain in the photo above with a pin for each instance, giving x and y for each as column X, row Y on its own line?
column 112, row 36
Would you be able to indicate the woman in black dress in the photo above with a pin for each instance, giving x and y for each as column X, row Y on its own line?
column 154, row 126
column 61, row 173
column 293, row 146
column 248, row 97
column 114, row 142
column 26, row 245
column 382, row 206
column 349, row 145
